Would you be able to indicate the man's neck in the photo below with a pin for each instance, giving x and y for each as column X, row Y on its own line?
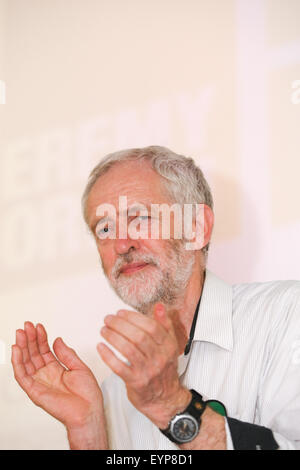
column 183, row 310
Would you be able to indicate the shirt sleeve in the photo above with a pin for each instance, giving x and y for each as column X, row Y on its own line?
column 229, row 443
column 278, row 404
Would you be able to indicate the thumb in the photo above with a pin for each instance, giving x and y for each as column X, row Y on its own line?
column 68, row 356
column 161, row 315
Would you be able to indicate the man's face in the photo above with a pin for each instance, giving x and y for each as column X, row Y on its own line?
column 141, row 271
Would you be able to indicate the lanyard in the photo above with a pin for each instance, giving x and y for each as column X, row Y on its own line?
column 183, row 359
column 192, row 332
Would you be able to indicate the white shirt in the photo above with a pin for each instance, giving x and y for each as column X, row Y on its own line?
column 245, row 353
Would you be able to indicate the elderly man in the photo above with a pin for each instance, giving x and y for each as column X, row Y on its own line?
column 198, row 364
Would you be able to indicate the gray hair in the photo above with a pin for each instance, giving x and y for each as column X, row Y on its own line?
column 182, row 179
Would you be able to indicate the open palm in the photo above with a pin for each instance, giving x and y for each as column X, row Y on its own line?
column 63, row 386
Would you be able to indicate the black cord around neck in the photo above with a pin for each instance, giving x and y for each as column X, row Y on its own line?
column 192, row 332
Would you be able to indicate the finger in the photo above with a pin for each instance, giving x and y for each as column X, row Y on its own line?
column 136, row 358
column 21, row 342
column 149, row 325
column 43, row 344
column 115, row 364
column 161, row 315
column 164, row 318
column 32, row 345
column 139, row 337
column 68, row 356
column 24, row 380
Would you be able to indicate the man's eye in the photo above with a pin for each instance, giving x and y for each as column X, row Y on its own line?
column 100, row 231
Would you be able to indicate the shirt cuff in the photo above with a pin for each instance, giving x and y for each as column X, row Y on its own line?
column 229, row 443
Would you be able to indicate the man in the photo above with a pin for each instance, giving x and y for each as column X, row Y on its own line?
column 193, row 350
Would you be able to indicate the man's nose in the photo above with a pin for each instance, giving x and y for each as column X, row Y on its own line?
column 124, row 245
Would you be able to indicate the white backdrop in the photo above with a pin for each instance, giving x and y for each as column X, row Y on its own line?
column 218, row 80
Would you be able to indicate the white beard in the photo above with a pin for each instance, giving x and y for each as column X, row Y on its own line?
column 142, row 289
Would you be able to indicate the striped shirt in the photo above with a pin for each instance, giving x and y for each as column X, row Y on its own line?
column 245, row 353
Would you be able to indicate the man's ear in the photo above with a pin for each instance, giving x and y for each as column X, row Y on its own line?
column 202, row 224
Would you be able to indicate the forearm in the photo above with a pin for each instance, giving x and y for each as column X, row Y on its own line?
column 89, row 436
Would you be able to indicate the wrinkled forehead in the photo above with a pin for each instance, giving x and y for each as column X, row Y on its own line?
column 134, row 179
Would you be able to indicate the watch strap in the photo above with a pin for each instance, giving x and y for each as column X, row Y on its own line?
column 195, row 408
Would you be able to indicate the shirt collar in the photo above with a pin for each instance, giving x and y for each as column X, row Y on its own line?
column 214, row 320
column 214, row 323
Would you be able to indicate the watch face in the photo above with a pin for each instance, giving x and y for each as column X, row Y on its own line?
column 185, row 428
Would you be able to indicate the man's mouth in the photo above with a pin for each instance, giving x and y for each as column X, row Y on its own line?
column 131, row 268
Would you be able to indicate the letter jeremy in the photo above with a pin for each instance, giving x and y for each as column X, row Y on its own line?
column 118, row 460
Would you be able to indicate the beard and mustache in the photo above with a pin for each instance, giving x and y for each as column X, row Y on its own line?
column 143, row 288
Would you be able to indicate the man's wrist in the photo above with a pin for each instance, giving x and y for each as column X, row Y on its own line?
column 176, row 404
column 212, row 433
column 91, row 435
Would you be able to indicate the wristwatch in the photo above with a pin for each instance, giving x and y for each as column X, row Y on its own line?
column 185, row 426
